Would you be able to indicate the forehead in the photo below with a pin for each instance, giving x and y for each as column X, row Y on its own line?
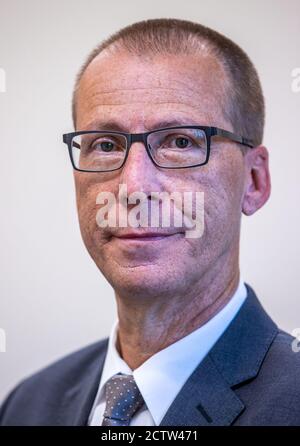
column 138, row 91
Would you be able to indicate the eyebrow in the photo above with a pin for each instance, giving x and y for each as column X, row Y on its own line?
column 116, row 126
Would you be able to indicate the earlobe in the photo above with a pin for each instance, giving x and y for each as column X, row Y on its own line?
column 248, row 207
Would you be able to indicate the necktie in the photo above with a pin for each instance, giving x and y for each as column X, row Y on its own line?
column 123, row 399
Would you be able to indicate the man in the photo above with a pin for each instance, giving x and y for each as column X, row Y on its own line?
column 191, row 345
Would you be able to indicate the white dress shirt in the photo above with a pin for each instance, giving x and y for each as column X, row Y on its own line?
column 161, row 377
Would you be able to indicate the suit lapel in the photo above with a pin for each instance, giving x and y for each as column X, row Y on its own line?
column 80, row 397
column 205, row 400
column 208, row 398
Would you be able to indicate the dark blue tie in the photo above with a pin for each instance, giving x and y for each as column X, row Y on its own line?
column 123, row 399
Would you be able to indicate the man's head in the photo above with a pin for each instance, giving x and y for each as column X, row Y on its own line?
column 164, row 70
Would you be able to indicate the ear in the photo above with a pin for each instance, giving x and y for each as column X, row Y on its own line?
column 257, row 187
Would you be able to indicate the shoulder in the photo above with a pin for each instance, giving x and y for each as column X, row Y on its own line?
column 68, row 367
column 285, row 353
column 51, row 382
column 273, row 396
column 280, row 370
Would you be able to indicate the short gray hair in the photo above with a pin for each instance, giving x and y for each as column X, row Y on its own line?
column 245, row 106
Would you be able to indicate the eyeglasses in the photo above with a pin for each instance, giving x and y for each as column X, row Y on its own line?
column 169, row 148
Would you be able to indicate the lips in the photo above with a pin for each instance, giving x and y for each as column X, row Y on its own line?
column 146, row 236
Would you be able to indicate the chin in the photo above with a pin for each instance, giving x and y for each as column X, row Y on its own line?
column 136, row 282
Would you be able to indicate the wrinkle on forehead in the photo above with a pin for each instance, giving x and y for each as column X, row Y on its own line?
column 192, row 85
column 156, row 86
column 124, row 95
column 144, row 120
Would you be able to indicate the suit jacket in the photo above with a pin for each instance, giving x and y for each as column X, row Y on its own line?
column 251, row 376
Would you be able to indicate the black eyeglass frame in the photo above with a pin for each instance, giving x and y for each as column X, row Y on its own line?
column 143, row 137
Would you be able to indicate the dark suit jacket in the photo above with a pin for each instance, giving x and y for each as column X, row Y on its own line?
column 250, row 377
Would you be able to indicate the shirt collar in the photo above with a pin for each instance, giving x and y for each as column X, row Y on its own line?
column 165, row 372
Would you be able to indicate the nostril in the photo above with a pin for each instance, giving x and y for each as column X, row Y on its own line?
column 149, row 197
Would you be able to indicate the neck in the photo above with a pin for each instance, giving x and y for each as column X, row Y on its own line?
column 145, row 329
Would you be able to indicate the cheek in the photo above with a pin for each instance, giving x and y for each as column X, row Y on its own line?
column 86, row 196
column 224, row 199
column 222, row 184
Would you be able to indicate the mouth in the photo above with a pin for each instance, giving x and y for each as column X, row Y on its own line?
column 143, row 237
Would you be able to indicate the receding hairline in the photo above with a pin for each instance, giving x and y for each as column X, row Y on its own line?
column 117, row 48
column 243, row 101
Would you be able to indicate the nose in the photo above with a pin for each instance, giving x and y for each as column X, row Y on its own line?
column 139, row 173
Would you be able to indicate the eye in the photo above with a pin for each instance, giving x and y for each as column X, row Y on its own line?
column 178, row 142
column 108, row 145
column 104, row 146
column 181, row 142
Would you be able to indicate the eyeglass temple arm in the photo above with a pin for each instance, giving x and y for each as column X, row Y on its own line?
column 240, row 139
column 66, row 140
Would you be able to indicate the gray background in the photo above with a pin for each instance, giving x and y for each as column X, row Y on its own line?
column 53, row 298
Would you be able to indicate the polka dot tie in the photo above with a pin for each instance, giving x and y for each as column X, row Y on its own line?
column 123, row 399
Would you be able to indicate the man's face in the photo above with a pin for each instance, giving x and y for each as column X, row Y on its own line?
column 139, row 94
